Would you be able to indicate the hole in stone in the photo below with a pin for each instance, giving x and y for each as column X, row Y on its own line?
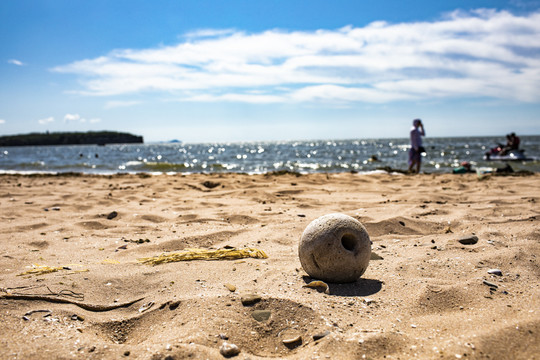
column 348, row 241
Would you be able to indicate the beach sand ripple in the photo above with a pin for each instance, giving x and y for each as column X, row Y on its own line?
column 427, row 296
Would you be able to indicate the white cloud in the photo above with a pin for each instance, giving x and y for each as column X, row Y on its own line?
column 46, row 121
column 116, row 104
column 15, row 62
column 209, row 33
column 77, row 118
column 72, row 117
column 2, row 121
column 483, row 53
column 246, row 98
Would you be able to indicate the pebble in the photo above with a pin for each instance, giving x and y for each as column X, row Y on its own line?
column 230, row 287
column 229, row 350
column 321, row 335
column 368, row 301
column 490, row 284
column 468, row 240
column 112, row 215
column 210, row 184
column 261, row 315
column 293, row 342
column 495, row 272
column 250, row 299
column 77, row 317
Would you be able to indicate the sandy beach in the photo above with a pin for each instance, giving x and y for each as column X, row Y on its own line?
column 424, row 295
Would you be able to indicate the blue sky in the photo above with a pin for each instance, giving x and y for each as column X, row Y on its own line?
column 214, row 70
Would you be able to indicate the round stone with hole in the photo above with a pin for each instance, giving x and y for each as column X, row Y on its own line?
column 335, row 248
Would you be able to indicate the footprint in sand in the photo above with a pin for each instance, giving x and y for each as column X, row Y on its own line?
column 92, row 225
column 271, row 335
column 153, row 218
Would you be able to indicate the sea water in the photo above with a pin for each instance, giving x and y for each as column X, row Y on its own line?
column 355, row 155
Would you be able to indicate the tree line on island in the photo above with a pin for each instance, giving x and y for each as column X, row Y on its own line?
column 70, row 138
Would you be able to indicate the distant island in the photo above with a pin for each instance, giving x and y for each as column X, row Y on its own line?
column 70, row 138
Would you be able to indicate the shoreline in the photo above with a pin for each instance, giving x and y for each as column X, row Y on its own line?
column 430, row 296
column 378, row 171
column 443, row 155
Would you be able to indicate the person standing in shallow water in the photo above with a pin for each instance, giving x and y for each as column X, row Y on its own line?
column 415, row 153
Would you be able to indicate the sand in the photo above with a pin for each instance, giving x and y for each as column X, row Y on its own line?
column 429, row 297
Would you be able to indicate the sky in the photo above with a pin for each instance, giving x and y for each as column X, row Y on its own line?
column 244, row 70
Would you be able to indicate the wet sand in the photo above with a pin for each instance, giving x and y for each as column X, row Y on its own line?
column 429, row 297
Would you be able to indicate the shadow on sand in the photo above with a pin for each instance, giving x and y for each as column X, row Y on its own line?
column 361, row 287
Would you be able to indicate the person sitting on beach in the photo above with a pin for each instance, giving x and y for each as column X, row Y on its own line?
column 464, row 168
column 416, row 150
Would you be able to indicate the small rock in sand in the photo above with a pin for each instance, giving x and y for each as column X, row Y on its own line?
column 491, row 285
column 468, row 240
column 250, row 299
column 495, row 272
column 210, row 184
column 261, row 315
column 292, row 342
column 321, row 335
column 229, row 350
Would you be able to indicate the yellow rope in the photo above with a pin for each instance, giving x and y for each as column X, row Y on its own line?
column 203, row 254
